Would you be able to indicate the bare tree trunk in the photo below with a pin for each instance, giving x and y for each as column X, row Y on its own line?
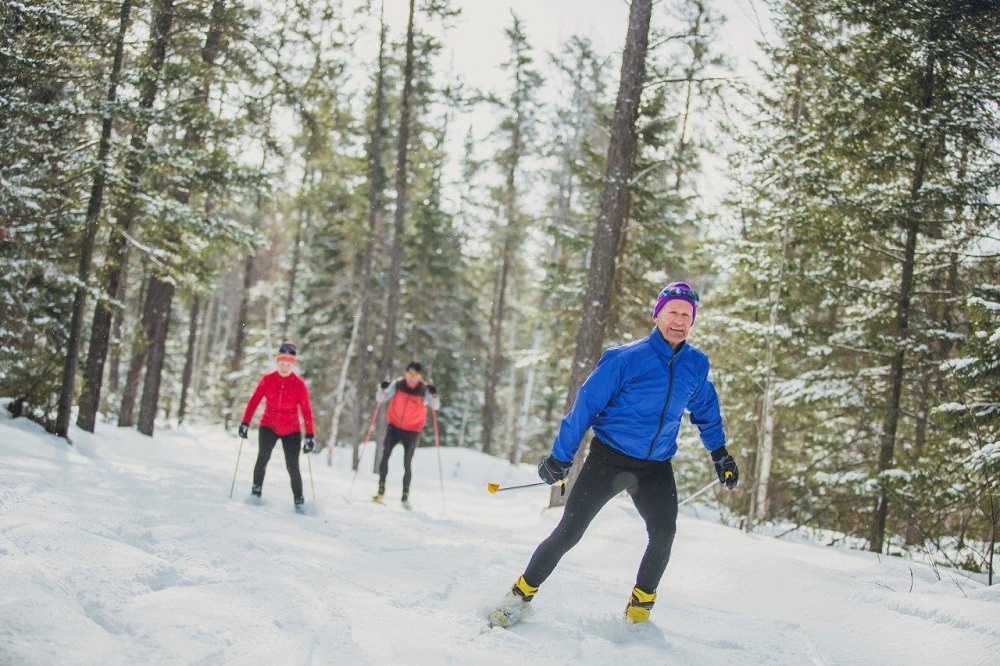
column 158, row 302
column 376, row 181
column 527, row 391
column 399, row 218
column 303, row 222
column 90, row 225
column 496, row 346
column 765, row 444
column 901, row 324
column 240, row 338
column 614, row 201
column 189, row 357
column 116, row 260
column 126, row 412
column 338, row 393
column 164, row 289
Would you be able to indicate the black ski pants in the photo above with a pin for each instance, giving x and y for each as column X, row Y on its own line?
column 394, row 436
column 607, row 472
column 291, row 443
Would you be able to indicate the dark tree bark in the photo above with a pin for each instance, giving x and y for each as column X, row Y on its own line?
column 90, row 225
column 189, row 357
column 614, row 202
column 117, row 255
column 399, row 219
column 158, row 303
column 163, row 287
column 376, row 181
column 137, row 361
column 901, row 323
column 240, row 337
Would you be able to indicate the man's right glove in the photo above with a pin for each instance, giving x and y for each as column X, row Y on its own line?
column 552, row 470
column 384, row 385
column 244, row 429
column 725, row 467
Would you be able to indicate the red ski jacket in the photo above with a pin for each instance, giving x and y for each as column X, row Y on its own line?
column 284, row 396
column 407, row 407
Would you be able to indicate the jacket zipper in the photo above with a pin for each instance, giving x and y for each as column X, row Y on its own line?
column 666, row 403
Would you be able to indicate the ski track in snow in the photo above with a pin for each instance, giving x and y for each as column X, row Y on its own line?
column 124, row 549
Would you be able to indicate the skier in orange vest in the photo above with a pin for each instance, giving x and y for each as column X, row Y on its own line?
column 409, row 397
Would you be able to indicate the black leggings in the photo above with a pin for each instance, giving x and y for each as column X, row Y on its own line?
column 606, row 473
column 394, row 436
column 290, row 443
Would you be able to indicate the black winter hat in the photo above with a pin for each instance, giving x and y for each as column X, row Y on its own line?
column 415, row 365
column 288, row 348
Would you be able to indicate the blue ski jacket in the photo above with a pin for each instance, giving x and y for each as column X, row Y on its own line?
column 635, row 398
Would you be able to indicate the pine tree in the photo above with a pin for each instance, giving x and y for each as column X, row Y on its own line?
column 517, row 130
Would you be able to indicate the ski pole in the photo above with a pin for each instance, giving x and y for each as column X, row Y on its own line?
column 437, row 445
column 494, row 488
column 238, row 454
column 311, row 484
column 361, row 454
column 696, row 493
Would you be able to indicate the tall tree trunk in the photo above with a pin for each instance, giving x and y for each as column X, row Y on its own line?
column 303, row 222
column 614, row 201
column 399, row 219
column 126, row 412
column 511, row 235
column 189, row 357
column 338, row 393
column 901, row 322
column 116, row 260
column 376, row 181
column 158, row 301
column 165, row 288
column 496, row 346
column 240, row 337
column 765, row 441
column 90, row 225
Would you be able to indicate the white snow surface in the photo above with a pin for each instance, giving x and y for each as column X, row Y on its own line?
column 123, row 549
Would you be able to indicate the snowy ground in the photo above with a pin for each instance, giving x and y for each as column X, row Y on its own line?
column 125, row 550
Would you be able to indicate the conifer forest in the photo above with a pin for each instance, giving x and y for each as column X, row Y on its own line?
column 186, row 183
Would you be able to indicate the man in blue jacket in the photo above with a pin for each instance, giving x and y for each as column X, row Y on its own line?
column 633, row 400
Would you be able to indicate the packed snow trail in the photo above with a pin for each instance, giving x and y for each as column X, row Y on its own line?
column 126, row 549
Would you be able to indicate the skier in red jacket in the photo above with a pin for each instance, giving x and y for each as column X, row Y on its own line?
column 285, row 394
column 409, row 398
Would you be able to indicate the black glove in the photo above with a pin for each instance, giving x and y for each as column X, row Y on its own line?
column 384, row 385
column 244, row 429
column 725, row 467
column 432, row 389
column 552, row 470
column 310, row 444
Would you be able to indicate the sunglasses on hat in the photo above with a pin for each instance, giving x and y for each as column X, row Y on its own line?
column 680, row 291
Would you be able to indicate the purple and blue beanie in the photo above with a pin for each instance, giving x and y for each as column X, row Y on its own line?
column 677, row 291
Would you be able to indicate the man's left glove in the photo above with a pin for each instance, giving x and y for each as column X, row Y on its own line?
column 432, row 389
column 244, row 429
column 552, row 470
column 725, row 467
column 310, row 444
